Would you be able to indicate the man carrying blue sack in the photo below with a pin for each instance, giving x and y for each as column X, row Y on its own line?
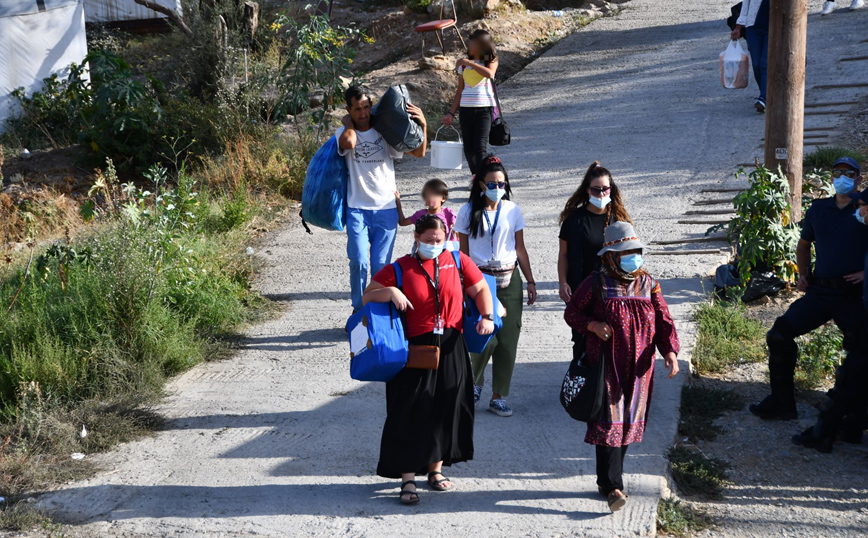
column 372, row 216
column 833, row 290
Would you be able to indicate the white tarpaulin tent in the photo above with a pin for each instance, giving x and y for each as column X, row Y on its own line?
column 124, row 10
column 37, row 38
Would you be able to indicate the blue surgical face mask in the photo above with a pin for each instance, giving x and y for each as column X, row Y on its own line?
column 631, row 262
column 599, row 203
column 843, row 185
column 495, row 194
column 430, row 251
column 859, row 216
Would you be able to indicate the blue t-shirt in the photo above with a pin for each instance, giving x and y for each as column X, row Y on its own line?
column 840, row 241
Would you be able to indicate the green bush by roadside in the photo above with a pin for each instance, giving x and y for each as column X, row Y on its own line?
column 678, row 519
column 726, row 337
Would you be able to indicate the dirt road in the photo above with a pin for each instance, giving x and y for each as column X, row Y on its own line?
column 279, row 441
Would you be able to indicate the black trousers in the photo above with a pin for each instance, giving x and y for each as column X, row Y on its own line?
column 851, row 382
column 475, row 128
column 816, row 307
column 610, row 467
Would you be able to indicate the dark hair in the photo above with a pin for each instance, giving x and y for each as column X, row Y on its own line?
column 477, row 196
column 429, row 222
column 354, row 92
column 487, row 49
column 615, row 211
column 436, row 186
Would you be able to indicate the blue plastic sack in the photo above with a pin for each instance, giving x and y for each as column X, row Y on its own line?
column 324, row 195
column 472, row 316
column 378, row 349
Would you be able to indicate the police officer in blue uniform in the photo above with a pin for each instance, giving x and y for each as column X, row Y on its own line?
column 833, row 290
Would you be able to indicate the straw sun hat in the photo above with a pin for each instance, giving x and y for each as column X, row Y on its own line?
column 618, row 237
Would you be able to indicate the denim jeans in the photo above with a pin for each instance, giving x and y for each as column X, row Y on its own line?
column 374, row 230
column 758, row 45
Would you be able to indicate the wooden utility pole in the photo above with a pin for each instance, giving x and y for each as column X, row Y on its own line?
column 785, row 94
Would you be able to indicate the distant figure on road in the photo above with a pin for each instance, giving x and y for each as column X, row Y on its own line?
column 491, row 231
column 595, row 204
column 833, row 290
column 372, row 218
column 845, row 410
column 634, row 317
column 754, row 19
column 429, row 420
column 829, row 7
column 474, row 99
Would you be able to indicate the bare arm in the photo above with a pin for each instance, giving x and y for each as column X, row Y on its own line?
column 486, row 71
column 348, row 138
column 463, row 243
column 418, row 116
column 524, row 264
column 803, row 260
column 563, row 264
column 377, row 293
column 456, row 103
column 402, row 220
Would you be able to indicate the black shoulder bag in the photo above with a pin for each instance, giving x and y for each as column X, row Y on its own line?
column 499, row 133
column 583, row 391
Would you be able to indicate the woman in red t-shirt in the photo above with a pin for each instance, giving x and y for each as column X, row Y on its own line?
column 429, row 421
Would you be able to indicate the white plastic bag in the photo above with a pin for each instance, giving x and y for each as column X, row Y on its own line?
column 734, row 67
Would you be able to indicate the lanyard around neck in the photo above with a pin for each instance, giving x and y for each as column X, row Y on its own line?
column 492, row 227
column 435, row 282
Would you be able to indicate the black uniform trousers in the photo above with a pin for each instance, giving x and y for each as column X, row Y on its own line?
column 816, row 307
column 610, row 467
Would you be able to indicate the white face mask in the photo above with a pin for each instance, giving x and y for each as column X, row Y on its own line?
column 599, row 203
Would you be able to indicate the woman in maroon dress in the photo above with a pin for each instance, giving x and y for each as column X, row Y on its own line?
column 628, row 324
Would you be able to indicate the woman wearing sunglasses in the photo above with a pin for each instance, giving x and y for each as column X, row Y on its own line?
column 490, row 230
column 595, row 204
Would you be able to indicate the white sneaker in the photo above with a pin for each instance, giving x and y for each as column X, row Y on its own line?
column 829, row 7
column 857, row 4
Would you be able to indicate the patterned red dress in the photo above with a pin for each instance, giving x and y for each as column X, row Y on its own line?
column 640, row 322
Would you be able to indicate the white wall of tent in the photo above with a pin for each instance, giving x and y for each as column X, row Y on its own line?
column 41, row 37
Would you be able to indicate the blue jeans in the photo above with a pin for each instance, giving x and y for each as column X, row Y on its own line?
column 374, row 230
column 758, row 45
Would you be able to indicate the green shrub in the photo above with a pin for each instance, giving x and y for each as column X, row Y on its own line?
column 762, row 229
column 696, row 474
column 824, row 157
column 122, row 308
column 701, row 406
column 820, row 353
column 726, row 337
column 678, row 519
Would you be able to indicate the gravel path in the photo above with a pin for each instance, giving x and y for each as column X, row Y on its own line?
column 279, row 441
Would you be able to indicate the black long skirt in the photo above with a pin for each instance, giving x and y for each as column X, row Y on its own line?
column 429, row 412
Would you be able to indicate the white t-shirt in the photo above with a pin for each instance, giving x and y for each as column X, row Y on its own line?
column 371, row 167
column 481, row 251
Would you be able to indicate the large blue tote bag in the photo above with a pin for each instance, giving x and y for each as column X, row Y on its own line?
column 476, row 342
column 378, row 349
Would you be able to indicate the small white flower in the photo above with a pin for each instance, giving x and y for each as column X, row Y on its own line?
column 250, row 251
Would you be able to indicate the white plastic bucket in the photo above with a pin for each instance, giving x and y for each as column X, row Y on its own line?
column 447, row 155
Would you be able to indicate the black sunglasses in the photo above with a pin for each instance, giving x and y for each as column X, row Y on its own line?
column 599, row 190
column 849, row 173
column 494, row 185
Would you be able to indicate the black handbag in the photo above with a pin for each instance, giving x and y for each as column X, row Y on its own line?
column 499, row 133
column 583, row 391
